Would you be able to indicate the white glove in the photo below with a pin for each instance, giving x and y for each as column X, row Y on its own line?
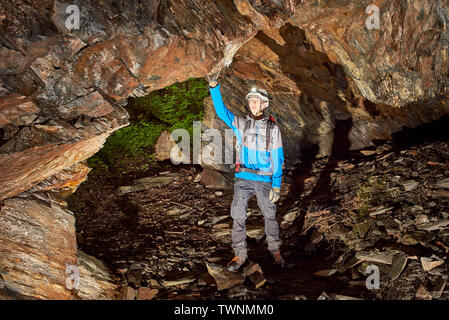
column 212, row 80
column 275, row 194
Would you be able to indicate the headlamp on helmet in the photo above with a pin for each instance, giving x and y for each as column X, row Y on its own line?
column 258, row 93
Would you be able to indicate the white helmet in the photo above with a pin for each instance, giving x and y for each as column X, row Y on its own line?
column 258, row 93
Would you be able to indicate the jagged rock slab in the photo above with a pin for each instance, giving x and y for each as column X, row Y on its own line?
column 379, row 211
column 36, row 244
column 223, row 278
column 147, row 183
column 145, row 293
column 22, row 170
column 185, row 280
column 128, row 293
column 398, row 264
column 258, row 279
column 219, row 218
column 376, row 256
column 410, row 185
column 443, row 183
column 325, row 273
column 440, row 224
column 326, row 296
column 431, row 263
column 256, row 233
column 96, row 281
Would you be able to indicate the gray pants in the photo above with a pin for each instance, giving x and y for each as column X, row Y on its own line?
column 243, row 190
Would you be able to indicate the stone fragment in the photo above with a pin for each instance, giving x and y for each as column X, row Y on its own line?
column 214, row 180
column 219, row 218
column 398, row 264
column 368, row 152
column 421, row 219
column 443, row 183
column 325, row 273
column 410, row 185
column 92, row 105
column 252, row 268
column 409, row 240
column 164, row 146
column 18, row 110
column 148, row 183
column 145, row 293
column 380, row 210
column 438, row 290
column 348, row 167
column 154, row 284
column 363, row 227
column 223, row 278
column 423, row 294
column 375, row 256
column 96, row 281
column 257, row 279
column 173, row 211
column 348, row 264
column 128, row 293
column 256, row 233
column 222, row 233
column 237, row 291
column 440, row 224
column 197, row 178
column 221, row 226
column 316, row 237
column 170, row 283
column 429, row 263
column 325, row 296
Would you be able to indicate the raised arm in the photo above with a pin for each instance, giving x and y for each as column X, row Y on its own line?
column 222, row 112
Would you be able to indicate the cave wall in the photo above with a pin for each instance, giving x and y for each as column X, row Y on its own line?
column 335, row 82
column 62, row 92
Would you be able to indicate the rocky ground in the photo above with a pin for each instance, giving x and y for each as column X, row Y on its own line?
column 166, row 236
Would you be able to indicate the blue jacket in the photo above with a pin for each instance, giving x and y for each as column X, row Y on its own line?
column 253, row 153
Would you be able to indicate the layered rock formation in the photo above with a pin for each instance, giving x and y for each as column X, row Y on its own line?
column 62, row 91
column 331, row 75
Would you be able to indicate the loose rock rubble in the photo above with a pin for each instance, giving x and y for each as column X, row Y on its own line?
column 392, row 213
column 173, row 239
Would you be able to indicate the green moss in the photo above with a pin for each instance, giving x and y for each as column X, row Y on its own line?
column 371, row 193
column 176, row 106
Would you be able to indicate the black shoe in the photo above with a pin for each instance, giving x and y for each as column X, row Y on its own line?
column 278, row 260
column 235, row 264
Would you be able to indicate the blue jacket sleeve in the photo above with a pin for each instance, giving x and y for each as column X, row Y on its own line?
column 277, row 157
column 222, row 112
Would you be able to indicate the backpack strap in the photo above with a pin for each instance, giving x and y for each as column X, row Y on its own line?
column 238, row 147
column 247, row 127
column 270, row 126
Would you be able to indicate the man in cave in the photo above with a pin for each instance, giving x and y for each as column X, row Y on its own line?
column 260, row 157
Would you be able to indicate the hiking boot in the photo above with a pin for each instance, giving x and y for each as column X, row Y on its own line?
column 235, row 264
column 278, row 260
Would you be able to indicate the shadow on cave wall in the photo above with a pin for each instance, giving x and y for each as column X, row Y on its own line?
column 340, row 151
column 318, row 79
column 302, row 172
column 313, row 72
